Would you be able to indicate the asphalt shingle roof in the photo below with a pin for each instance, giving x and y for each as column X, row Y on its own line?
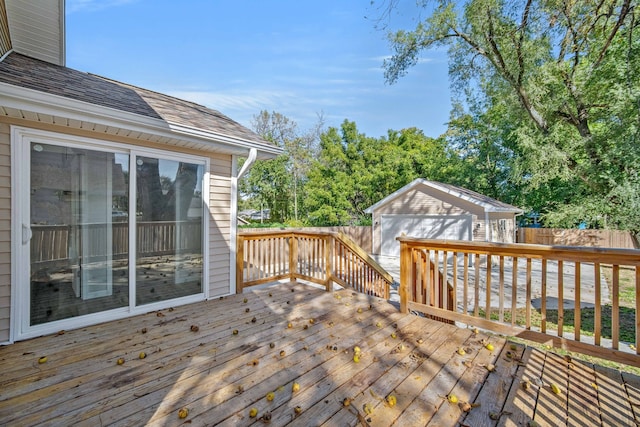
column 23, row 71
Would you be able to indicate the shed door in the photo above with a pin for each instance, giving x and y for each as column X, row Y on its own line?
column 450, row 227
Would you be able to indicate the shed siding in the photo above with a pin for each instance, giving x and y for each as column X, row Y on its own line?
column 219, row 210
column 423, row 200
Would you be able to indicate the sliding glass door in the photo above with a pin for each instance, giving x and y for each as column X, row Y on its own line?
column 103, row 231
column 74, row 268
column 169, row 210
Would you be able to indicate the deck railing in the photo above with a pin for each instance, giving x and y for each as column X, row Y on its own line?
column 555, row 295
column 319, row 257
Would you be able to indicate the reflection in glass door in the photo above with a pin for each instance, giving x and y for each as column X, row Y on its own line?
column 169, row 237
column 79, row 247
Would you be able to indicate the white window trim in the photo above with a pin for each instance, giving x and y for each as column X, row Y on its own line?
column 20, row 305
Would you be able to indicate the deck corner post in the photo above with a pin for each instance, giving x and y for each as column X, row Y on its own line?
column 293, row 256
column 405, row 272
column 330, row 242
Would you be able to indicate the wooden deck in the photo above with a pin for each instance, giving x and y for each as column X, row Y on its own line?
column 219, row 376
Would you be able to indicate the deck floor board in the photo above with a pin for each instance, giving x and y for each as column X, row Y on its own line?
column 218, row 375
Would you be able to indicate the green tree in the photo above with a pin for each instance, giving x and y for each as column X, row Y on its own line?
column 353, row 171
column 552, row 88
column 276, row 184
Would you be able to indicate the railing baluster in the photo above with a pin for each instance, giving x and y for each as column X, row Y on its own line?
column 543, row 301
column 637, row 343
column 487, row 314
column 597, row 312
column 455, row 281
column 465, row 283
column 501, row 295
column 428, row 283
column 615, row 313
column 435, row 277
column 560, row 298
column 445, row 288
column 576, row 303
column 528, row 291
column 514, row 289
column 476, row 296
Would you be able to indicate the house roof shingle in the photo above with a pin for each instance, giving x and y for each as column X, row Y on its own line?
column 26, row 72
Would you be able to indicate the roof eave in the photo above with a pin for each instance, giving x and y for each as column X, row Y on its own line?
column 487, row 207
column 44, row 103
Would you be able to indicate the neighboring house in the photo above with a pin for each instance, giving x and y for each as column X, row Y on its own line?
column 433, row 210
column 116, row 200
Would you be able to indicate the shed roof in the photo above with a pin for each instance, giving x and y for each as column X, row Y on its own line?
column 487, row 203
column 167, row 112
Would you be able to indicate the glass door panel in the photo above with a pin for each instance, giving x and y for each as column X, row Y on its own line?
column 169, row 209
column 78, row 215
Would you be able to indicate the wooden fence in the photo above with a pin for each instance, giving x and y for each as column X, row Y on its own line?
column 573, row 237
column 493, row 288
column 319, row 257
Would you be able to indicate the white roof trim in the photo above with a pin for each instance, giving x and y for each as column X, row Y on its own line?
column 487, row 207
column 45, row 103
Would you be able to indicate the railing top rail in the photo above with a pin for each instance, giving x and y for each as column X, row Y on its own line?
column 290, row 231
column 566, row 253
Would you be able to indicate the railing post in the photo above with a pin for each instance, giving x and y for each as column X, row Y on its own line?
column 293, row 256
column 405, row 273
column 330, row 243
column 239, row 264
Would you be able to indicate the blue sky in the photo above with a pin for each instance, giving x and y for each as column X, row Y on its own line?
column 296, row 57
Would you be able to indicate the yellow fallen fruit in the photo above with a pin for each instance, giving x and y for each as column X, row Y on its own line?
column 346, row 402
column 461, row 351
column 391, row 400
column 452, row 398
column 555, row 388
column 489, row 347
column 379, row 324
column 120, row 361
column 394, row 335
column 491, row 367
column 297, row 410
column 513, row 347
column 253, row 412
column 43, row 359
column 476, row 331
column 289, row 325
column 356, row 358
column 245, row 300
column 367, row 408
column 270, row 396
column 183, row 413
column 356, row 350
column 142, row 355
column 295, row 387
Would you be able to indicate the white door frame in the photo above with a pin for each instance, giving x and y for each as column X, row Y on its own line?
column 21, row 139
